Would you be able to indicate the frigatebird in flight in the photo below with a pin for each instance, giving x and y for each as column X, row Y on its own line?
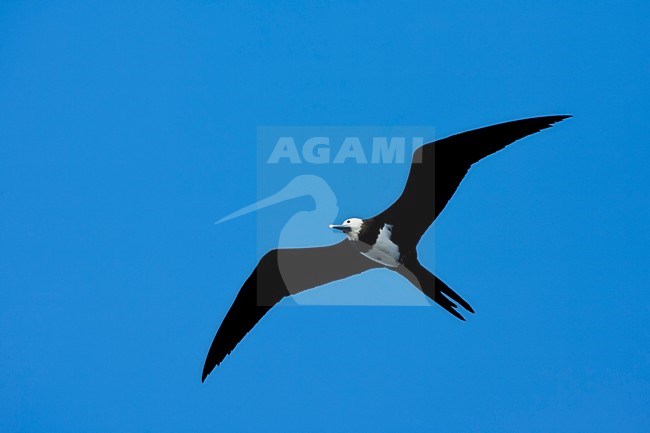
column 388, row 240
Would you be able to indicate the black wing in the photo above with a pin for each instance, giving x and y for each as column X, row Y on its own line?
column 439, row 167
column 280, row 273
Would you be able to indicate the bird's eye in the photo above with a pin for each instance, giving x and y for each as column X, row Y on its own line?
column 347, row 222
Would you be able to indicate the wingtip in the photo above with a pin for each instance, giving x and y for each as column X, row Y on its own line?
column 208, row 369
column 206, row 373
column 560, row 117
column 550, row 121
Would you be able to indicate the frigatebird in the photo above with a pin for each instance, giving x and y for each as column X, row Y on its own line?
column 388, row 240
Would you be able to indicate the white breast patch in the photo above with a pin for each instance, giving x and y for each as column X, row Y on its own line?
column 384, row 250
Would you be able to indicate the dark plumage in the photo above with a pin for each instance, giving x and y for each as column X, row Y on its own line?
column 435, row 173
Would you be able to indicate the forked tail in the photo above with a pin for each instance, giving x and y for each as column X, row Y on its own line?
column 434, row 288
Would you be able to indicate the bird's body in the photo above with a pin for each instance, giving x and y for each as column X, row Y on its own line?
column 387, row 240
column 382, row 249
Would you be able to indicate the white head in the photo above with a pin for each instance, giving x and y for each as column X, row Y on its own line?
column 351, row 227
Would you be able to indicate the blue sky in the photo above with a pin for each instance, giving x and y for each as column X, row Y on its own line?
column 128, row 129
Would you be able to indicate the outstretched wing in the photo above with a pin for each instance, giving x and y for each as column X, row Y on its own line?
column 280, row 273
column 439, row 167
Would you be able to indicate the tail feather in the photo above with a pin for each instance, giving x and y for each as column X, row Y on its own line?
column 434, row 288
column 445, row 303
column 453, row 295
